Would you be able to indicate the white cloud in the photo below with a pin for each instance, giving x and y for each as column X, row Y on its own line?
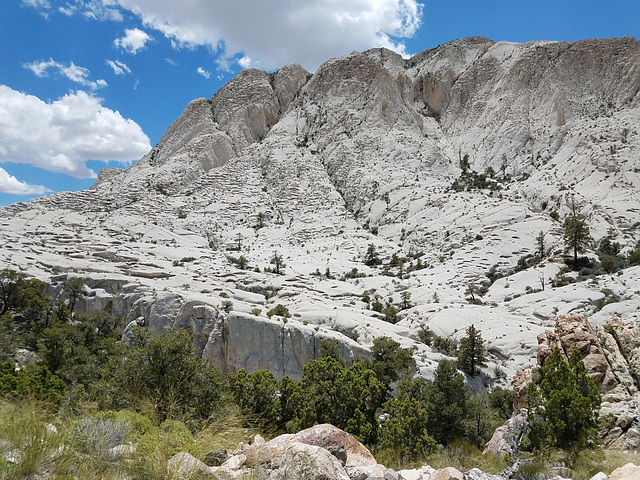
column 10, row 184
column 96, row 9
column 245, row 62
column 133, row 40
column 62, row 135
column 119, row 68
column 72, row 71
column 282, row 31
column 203, row 72
column 37, row 3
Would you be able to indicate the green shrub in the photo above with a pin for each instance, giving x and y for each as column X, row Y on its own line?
column 279, row 310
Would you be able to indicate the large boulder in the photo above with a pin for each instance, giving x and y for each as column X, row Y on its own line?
column 309, row 462
column 325, row 435
column 448, row 473
column 506, row 438
column 626, row 472
column 185, row 465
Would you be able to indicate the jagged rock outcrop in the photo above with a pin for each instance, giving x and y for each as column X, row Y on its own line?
column 506, row 438
column 610, row 354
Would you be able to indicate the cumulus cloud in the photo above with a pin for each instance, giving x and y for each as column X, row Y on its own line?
column 203, row 72
column 245, row 62
column 133, row 40
column 282, row 31
column 119, row 68
column 72, row 71
column 10, row 184
column 62, row 135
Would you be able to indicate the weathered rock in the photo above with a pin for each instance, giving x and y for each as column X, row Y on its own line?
column 215, row 458
column 448, row 473
column 626, row 472
column 242, row 341
column 520, row 382
column 309, row 462
column 600, row 476
column 234, row 462
column 611, row 354
column 573, row 332
column 506, row 438
column 476, row 474
column 422, row 473
column 326, row 435
column 121, row 450
column 185, row 465
column 339, row 452
column 24, row 357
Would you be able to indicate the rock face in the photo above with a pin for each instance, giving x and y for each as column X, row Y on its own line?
column 506, row 438
column 240, row 341
column 366, row 151
column 610, row 354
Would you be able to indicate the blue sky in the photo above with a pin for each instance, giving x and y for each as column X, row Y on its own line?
column 87, row 84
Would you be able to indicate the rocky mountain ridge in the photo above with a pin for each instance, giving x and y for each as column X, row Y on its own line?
column 456, row 157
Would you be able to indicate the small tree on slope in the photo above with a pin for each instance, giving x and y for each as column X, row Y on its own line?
column 563, row 409
column 576, row 237
column 471, row 356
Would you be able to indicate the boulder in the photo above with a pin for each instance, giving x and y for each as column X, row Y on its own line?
column 422, row 473
column 626, row 472
column 600, row 476
column 326, row 435
column 520, row 382
column 185, row 465
column 506, row 438
column 215, row 458
column 448, row 473
column 476, row 474
column 308, row 462
column 121, row 450
column 574, row 332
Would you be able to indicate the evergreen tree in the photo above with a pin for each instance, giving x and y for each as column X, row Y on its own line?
column 390, row 361
column 540, row 244
column 256, row 393
column 11, row 283
column 404, row 430
column 471, row 353
column 563, row 409
column 372, row 258
column 576, row 237
column 447, row 407
column 331, row 393
column 74, row 288
column 277, row 262
column 405, row 296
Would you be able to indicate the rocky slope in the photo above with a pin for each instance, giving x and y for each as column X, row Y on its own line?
column 365, row 151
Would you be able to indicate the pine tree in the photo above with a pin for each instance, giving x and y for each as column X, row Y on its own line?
column 277, row 262
column 471, row 356
column 540, row 244
column 576, row 236
column 372, row 258
column 563, row 409
column 405, row 296
column 447, row 406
